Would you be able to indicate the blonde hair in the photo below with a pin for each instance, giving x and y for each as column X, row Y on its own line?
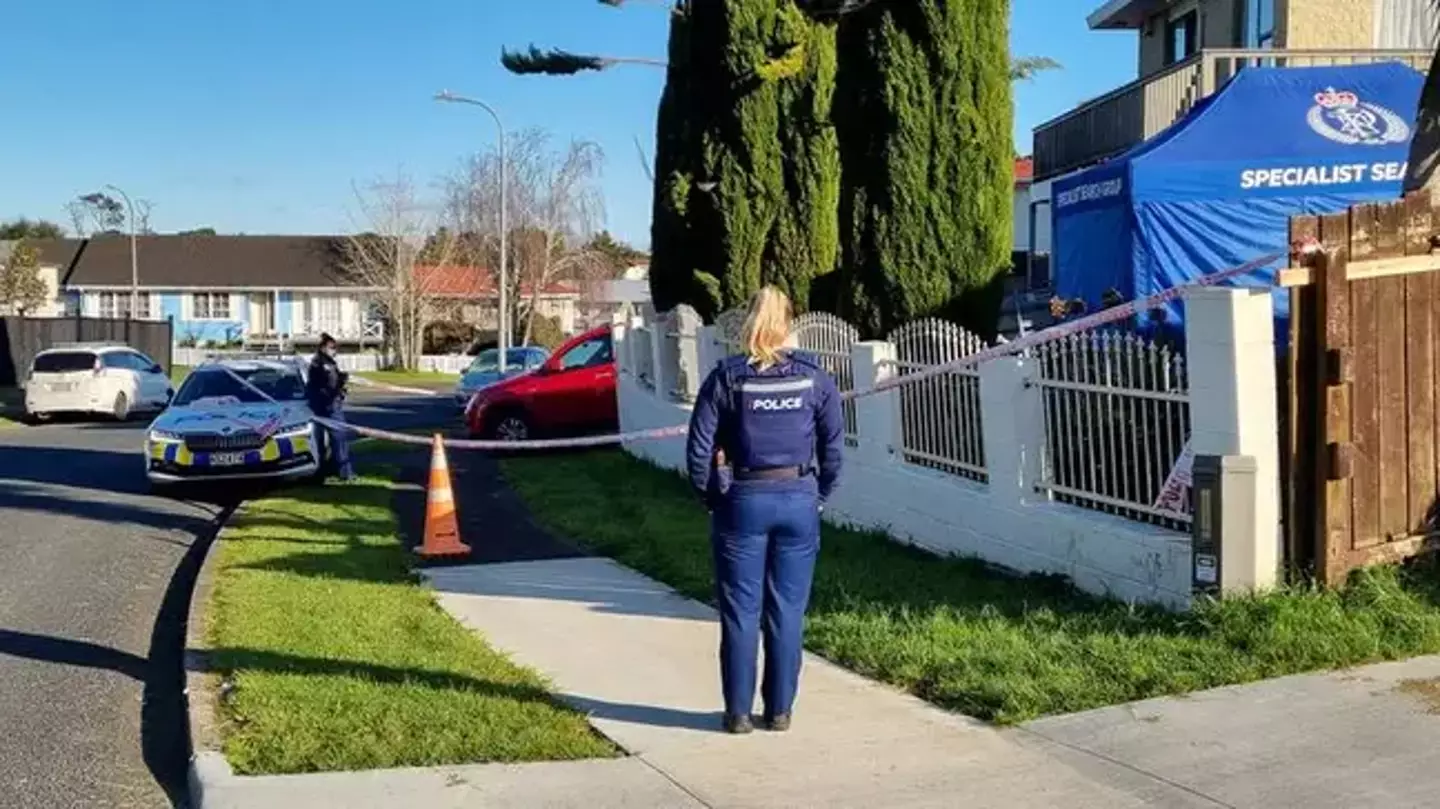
column 767, row 327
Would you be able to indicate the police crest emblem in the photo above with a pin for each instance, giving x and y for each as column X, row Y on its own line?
column 1343, row 117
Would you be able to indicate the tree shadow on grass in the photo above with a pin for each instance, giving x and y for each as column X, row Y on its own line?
column 280, row 527
column 226, row 660
column 362, row 563
column 345, row 547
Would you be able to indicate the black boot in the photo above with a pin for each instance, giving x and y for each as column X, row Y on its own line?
column 738, row 724
column 778, row 723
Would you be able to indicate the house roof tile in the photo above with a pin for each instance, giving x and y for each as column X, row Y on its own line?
column 474, row 282
column 50, row 252
column 211, row 261
column 1024, row 170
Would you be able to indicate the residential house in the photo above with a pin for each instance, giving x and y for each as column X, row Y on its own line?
column 1024, row 175
column 1187, row 49
column 604, row 300
column 1030, row 254
column 470, row 294
column 54, row 257
column 256, row 290
column 623, row 296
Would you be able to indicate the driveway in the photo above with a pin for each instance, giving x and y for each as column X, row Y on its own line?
column 95, row 580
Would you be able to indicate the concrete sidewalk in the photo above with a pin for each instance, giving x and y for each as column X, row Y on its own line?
column 641, row 660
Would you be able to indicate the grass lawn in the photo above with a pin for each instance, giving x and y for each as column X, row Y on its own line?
column 341, row 660
column 413, row 379
column 964, row 637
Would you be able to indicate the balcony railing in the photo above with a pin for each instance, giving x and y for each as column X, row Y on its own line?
column 1105, row 126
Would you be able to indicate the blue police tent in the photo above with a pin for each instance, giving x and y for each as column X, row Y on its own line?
column 1218, row 187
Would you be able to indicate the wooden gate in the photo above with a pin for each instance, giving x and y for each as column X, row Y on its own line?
column 1363, row 471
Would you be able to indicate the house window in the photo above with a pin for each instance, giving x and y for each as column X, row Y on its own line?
column 210, row 306
column 1260, row 24
column 373, row 319
column 117, row 305
column 1182, row 37
column 326, row 312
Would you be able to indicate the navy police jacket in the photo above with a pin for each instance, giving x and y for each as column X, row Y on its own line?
column 324, row 384
column 787, row 415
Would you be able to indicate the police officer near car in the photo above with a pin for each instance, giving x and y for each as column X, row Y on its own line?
column 325, row 387
column 764, row 452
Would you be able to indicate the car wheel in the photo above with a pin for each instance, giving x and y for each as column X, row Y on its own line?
column 512, row 426
column 121, row 410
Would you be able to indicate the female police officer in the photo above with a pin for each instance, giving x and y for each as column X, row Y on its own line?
column 773, row 415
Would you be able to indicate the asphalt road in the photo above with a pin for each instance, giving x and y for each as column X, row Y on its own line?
column 95, row 580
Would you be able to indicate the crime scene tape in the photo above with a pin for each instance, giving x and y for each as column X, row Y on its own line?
column 1019, row 345
column 363, row 382
column 533, row 444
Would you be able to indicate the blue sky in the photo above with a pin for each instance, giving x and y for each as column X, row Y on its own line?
column 260, row 116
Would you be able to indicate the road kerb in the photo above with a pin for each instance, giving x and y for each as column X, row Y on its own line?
column 620, row 783
column 208, row 766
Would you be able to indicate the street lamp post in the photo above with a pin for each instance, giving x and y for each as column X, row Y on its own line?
column 134, row 262
column 447, row 96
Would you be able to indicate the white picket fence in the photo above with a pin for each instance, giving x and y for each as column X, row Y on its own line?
column 831, row 339
column 1117, row 413
column 940, row 417
column 351, row 362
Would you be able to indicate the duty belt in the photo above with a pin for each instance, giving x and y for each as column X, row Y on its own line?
column 772, row 473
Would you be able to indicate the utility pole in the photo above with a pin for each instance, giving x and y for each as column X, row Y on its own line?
column 134, row 259
column 449, row 97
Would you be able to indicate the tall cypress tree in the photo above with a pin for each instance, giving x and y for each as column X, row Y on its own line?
column 807, row 236
column 782, row 146
column 924, row 122
column 746, row 162
column 740, row 184
column 672, row 269
column 763, row 203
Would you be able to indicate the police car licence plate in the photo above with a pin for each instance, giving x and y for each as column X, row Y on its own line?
column 227, row 459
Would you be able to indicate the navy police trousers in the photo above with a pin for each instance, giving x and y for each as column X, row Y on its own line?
column 766, row 535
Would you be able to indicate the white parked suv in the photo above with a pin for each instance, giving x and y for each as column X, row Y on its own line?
column 108, row 379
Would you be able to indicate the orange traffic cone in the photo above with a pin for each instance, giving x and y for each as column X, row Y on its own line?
column 442, row 530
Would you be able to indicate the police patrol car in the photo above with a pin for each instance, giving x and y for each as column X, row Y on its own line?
column 237, row 418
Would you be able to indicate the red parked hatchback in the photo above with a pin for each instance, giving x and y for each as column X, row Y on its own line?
column 572, row 392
